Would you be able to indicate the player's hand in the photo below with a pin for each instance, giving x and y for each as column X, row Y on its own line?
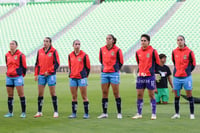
column 46, row 74
column 155, row 91
column 36, row 78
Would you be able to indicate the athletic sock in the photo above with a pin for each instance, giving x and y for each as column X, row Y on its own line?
column 86, row 103
column 10, row 104
column 118, row 104
column 40, row 103
column 153, row 106
column 139, row 105
column 74, row 107
column 176, row 104
column 191, row 102
column 55, row 105
column 23, row 104
column 105, row 105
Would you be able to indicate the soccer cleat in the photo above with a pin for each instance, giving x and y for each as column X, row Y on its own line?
column 86, row 116
column 153, row 117
column 38, row 114
column 119, row 116
column 55, row 115
column 8, row 115
column 73, row 115
column 176, row 116
column 23, row 115
column 103, row 116
column 137, row 116
column 192, row 116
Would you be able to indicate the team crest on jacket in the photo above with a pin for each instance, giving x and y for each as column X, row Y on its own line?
column 50, row 54
column 15, row 57
column 185, row 57
column 79, row 59
column 112, row 53
column 148, row 55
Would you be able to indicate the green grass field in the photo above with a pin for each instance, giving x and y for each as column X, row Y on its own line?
column 48, row 124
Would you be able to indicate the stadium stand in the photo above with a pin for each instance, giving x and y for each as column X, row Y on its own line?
column 30, row 24
column 127, row 20
column 6, row 7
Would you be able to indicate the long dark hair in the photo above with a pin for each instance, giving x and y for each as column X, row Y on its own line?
column 182, row 37
column 15, row 42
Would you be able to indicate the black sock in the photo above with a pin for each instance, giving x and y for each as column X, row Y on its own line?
column 105, row 105
column 10, row 104
column 118, row 103
column 55, row 105
column 40, row 103
column 23, row 104
column 191, row 102
column 74, row 107
column 86, row 103
column 176, row 103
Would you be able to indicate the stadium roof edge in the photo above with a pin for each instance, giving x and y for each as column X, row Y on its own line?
column 53, row 2
column 17, row 4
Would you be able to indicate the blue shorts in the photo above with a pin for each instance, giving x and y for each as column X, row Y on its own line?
column 148, row 82
column 113, row 78
column 78, row 82
column 51, row 80
column 179, row 83
column 14, row 81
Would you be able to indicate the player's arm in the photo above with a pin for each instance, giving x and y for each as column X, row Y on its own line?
column 170, row 81
column 136, row 57
column 157, row 59
column 87, row 65
column 193, row 61
column 37, row 66
column 100, row 56
column 121, row 59
column 24, row 65
column 56, row 63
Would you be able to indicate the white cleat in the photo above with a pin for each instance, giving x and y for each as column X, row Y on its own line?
column 192, row 116
column 55, row 115
column 137, row 116
column 119, row 116
column 103, row 116
column 176, row 116
column 38, row 114
column 153, row 117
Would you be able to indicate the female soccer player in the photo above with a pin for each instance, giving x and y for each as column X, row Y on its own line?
column 147, row 59
column 16, row 70
column 184, row 63
column 79, row 66
column 45, row 72
column 111, row 59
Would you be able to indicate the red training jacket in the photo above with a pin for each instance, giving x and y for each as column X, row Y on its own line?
column 16, row 64
column 47, row 62
column 111, row 59
column 147, row 60
column 184, row 61
column 79, row 65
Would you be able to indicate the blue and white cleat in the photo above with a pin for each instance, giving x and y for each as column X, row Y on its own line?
column 23, row 115
column 86, row 116
column 8, row 115
column 73, row 115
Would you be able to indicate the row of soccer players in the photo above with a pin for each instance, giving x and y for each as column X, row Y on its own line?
column 111, row 59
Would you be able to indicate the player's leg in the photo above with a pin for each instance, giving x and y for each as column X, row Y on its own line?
column 10, row 92
column 115, row 81
column 158, row 96
column 82, row 83
column 140, row 86
column 151, row 85
column 51, row 80
column 74, row 89
column 19, row 83
column 42, row 80
column 105, row 84
column 165, row 95
column 177, row 83
column 188, row 90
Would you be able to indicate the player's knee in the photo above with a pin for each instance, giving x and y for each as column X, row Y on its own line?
column 116, row 94
column 74, row 97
